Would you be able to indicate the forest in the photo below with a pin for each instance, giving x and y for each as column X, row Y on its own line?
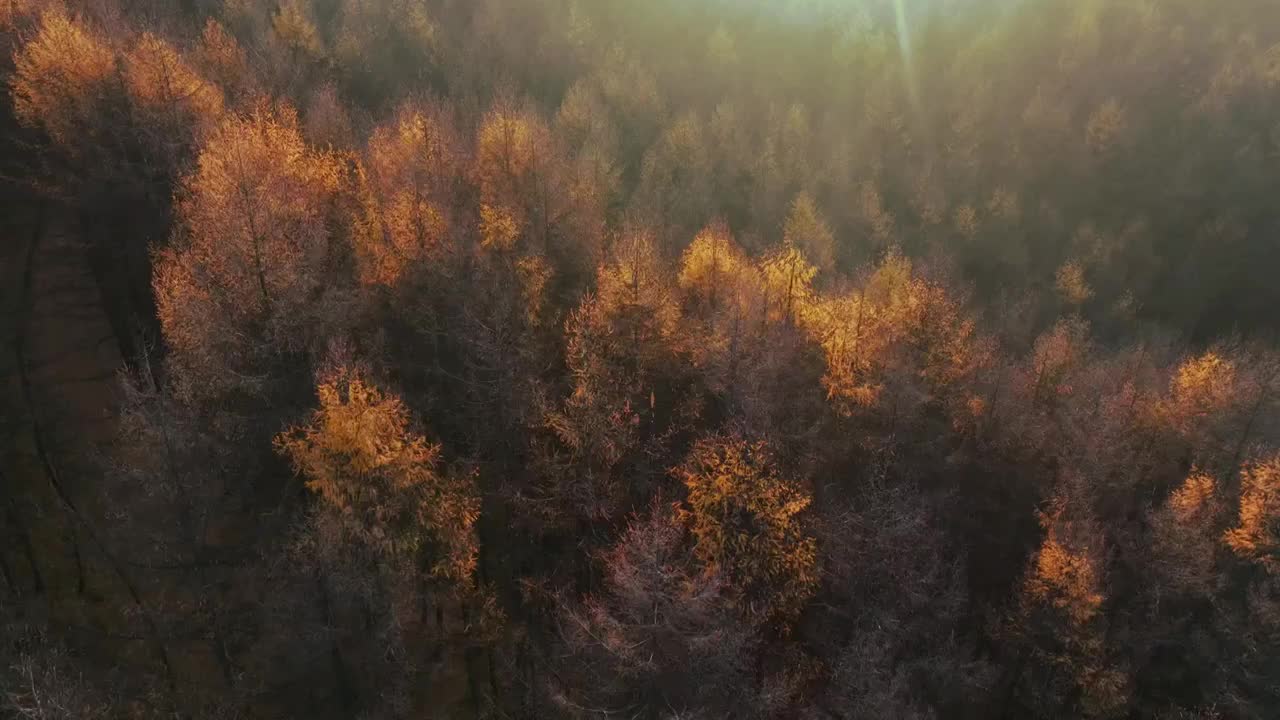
column 639, row 360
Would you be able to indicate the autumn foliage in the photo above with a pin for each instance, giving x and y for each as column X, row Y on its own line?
column 382, row 482
column 662, row 360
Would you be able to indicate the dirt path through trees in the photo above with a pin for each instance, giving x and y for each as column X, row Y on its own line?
column 59, row 395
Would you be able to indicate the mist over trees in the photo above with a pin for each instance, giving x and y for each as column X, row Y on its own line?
column 678, row 359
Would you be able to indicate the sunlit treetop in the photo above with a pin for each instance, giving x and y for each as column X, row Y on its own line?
column 249, row 271
column 748, row 524
column 1067, row 572
column 788, row 283
column 808, row 230
column 161, row 82
column 382, row 480
column 1256, row 537
column 61, row 76
column 222, row 58
column 714, row 267
column 1205, row 381
column 409, row 180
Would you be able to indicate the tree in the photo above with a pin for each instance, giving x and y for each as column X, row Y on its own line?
column 532, row 198
column 254, row 268
column 1205, row 400
column 715, row 273
column 1061, row 620
column 381, row 483
column 675, row 182
column 169, row 101
column 625, row 358
column 221, row 58
column 807, row 230
column 660, row 636
column 62, row 78
column 386, row 48
column 1071, row 284
column 761, row 369
column 894, row 622
column 901, row 338
column 747, row 522
column 1256, row 537
column 409, row 187
column 788, row 280
column 43, row 680
column 1249, row 616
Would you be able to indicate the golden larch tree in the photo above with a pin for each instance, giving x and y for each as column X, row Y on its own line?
column 250, row 271
column 624, row 354
column 748, row 524
column 408, row 187
column 1185, row 538
column 1061, row 612
column 1256, row 536
column 63, row 77
column 381, row 482
column 807, row 230
column 169, row 100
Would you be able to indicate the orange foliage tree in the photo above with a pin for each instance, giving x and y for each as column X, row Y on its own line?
column 530, row 194
column 1061, row 614
column 408, row 191
column 1256, row 536
column 62, row 79
column 380, row 483
column 748, row 524
column 625, row 356
column 807, row 230
column 253, row 270
column 899, row 333
column 170, row 101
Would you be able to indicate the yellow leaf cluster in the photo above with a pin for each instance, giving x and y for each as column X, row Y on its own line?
column 382, row 480
column 1067, row 580
column 61, row 76
column 637, row 278
column 896, row 320
column 1184, row 538
column 160, row 82
column 507, row 148
column 408, row 174
column 746, row 521
column 1193, row 498
column 500, row 227
column 1071, row 285
column 249, row 258
column 788, row 284
column 712, row 264
column 1256, row 536
column 1204, row 382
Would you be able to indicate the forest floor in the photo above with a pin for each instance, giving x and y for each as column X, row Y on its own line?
column 60, row 393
